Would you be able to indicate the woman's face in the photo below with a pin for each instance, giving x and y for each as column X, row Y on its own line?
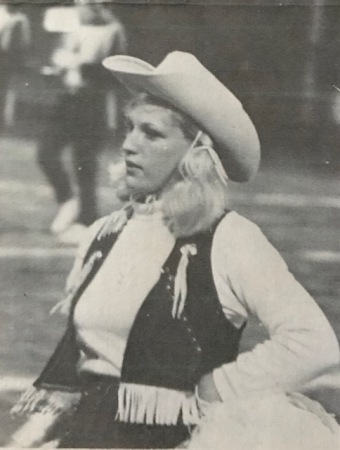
column 153, row 147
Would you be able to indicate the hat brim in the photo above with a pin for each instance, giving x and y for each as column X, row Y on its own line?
column 203, row 98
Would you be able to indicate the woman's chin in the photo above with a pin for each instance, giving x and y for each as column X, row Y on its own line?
column 125, row 192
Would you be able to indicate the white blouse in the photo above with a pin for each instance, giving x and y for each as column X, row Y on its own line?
column 251, row 278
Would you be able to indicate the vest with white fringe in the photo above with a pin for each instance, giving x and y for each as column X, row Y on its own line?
column 179, row 334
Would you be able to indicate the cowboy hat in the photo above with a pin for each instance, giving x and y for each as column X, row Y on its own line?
column 182, row 81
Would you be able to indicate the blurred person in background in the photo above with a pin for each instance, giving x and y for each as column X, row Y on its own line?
column 162, row 289
column 79, row 116
column 15, row 42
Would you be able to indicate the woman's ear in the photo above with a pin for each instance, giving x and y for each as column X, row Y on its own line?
column 205, row 140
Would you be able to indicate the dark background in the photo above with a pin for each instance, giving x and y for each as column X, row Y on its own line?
column 281, row 61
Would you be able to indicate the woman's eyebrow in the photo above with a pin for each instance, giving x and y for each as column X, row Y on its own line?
column 151, row 127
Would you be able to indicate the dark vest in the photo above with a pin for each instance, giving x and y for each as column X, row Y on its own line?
column 161, row 351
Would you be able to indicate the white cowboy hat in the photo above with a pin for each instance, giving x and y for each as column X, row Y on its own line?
column 182, row 81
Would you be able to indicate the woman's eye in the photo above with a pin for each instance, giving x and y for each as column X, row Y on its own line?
column 152, row 134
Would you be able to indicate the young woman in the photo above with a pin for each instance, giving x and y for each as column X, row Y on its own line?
column 161, row 291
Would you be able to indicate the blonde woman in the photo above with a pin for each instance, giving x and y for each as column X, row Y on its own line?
column 161, row 291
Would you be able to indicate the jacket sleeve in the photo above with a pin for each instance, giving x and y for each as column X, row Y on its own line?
column 252, row 278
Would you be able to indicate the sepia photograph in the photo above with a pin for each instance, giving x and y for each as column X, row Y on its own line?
column 170, row 224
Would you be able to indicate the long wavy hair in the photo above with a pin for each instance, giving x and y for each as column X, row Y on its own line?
column 199, row 198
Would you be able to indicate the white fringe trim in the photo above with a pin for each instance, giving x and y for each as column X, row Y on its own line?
column 155, row 405
column 45, row 402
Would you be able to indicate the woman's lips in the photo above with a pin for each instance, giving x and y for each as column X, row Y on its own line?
column 131, row 166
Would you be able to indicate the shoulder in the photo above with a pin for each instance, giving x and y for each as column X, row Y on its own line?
column 90, row 235
column 240, row 239
column 96, row 226
column 233, row 227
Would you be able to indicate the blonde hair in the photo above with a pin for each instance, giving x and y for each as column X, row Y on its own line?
column 200, row 197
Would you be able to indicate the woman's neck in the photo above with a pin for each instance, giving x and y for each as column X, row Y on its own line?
column 150, row 204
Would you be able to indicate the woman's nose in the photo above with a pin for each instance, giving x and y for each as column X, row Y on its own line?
column 131, row 142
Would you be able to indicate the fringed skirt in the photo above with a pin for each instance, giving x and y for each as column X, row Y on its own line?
column 93, row 424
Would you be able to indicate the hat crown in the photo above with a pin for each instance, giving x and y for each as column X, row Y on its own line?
column 179, row 62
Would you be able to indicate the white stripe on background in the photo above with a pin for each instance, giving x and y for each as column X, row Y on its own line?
column 36, row 252
column 15, row 384
column 14, row 187
column 293, row 200
column 323, row 256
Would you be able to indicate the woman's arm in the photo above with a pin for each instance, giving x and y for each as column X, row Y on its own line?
column 251, row 277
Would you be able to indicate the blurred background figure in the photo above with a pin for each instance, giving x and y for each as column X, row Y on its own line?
column 81, row 114
column 15, row 41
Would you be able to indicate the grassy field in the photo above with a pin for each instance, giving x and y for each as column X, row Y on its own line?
column 296, row 206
